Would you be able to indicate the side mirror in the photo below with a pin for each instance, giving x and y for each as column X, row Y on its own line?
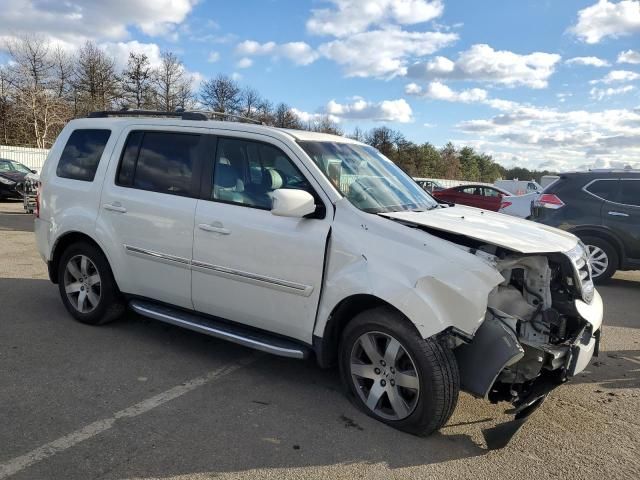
column 34, row 171
column 292, row 203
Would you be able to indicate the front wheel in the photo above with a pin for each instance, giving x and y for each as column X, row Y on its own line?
column 394, row 375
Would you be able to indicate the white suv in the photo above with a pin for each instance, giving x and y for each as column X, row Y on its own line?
column 299, row 244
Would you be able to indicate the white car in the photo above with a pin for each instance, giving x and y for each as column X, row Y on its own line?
column 305, row 244
column 518, row 205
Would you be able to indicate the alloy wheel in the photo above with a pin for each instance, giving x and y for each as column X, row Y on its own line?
column 598, row 259
column 82, row 283
column 385, row 375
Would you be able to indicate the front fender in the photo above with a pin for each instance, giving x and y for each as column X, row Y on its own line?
column 433, row 282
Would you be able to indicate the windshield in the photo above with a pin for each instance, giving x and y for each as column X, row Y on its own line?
column 11, row 166
column 368, row 179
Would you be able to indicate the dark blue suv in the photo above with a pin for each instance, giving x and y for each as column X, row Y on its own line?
column 602, row 207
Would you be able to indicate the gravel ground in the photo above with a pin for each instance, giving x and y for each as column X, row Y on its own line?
column 139, row 399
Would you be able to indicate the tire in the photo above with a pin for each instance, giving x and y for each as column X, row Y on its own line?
column 102, row 302
column 602, row 251
column 434, row 369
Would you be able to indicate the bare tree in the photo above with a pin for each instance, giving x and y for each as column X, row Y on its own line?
column 286, row 118
column 221, row 94
column 357, row 135
column 6, row 106
column 264, row 112
column 30, row 77
column 136, row 80
column 62, row 72
column 170, row 83
column 95, row 79
column 250, row 101
column 325, row 125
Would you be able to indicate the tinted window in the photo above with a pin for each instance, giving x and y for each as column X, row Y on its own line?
column 606, row 189
column 629, row 192
column 159, row 161
column 247, row 172
column 81, row 154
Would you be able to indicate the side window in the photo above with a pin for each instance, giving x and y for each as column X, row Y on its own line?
column 159, row 161
column 472, row 190
column 629, row 192
column 490, row 192
column 606, row 189
column 81, row 154
column 247, row 172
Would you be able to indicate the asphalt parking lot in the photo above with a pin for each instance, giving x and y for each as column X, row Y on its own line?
column 140, row 399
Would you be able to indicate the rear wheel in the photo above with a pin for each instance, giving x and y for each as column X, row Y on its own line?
column 87, row 287
column 394, row 375
column 603, row 258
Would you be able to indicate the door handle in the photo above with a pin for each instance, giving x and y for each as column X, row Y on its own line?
column 114, row 207
column 215, row 228
column 619, row 214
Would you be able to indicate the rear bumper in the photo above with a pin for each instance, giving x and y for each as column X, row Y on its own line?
column 42, row 230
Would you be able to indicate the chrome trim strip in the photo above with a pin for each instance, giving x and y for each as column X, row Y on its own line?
column 218, row 332
column 160, row 257
column 253, row 278
column 247, row 277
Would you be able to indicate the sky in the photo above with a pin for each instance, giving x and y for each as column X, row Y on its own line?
column 549, row 84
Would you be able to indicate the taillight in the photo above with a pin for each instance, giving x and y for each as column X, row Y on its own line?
column 549, row 200
column 36, row 210
column 505, row 204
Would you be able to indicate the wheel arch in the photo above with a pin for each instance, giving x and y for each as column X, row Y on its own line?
column 62, row 243
column 326, row 347
column 604, row 234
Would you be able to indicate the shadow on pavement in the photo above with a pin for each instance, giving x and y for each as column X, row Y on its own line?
column 274, row 413
column 613, row 369
column 13, row 217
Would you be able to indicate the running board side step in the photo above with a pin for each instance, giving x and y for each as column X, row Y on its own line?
column 234, row 333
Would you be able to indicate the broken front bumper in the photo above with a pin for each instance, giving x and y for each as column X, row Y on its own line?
column 496, row 346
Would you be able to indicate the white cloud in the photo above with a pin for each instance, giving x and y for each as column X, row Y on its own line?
column 213, row 57
column 602, row 93
column 299, row 53
column 440, row 91
column 539, row 136
column 607, row 19
column 483, row 63
column 617, row 76
column 590, row 61
column 349, row 17
column 361, row 109
column 629, row 56
column 244, row 62
column 120, row 52
column 383, row 53
column 71, row 23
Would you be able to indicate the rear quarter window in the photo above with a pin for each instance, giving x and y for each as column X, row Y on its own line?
column 82, row 153
column 630, row 192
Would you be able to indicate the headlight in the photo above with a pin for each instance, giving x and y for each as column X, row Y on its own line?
column 582, row 267
column 6, row 181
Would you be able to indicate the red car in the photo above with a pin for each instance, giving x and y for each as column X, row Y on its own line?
column 479, row 196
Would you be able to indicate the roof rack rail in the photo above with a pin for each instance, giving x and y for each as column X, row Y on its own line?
column 179, row 113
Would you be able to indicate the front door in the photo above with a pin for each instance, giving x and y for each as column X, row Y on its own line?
column 250, row 266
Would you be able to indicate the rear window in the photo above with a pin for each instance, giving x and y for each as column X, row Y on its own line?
column 629, row 192
column 160, row 162
column 606, row 189
column 81, row 154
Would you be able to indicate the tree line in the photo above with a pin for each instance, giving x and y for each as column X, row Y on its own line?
column 42, row 87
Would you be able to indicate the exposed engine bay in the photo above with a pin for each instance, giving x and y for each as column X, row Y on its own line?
column 533, row 338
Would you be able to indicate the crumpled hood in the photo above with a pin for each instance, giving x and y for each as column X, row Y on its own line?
column 498, row 229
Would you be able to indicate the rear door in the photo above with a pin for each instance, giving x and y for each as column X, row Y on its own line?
column 147, row 209
column 623, row 215
column 492, row 198
column 250, row 266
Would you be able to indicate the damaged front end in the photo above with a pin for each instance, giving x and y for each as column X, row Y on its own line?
column 542, row 327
